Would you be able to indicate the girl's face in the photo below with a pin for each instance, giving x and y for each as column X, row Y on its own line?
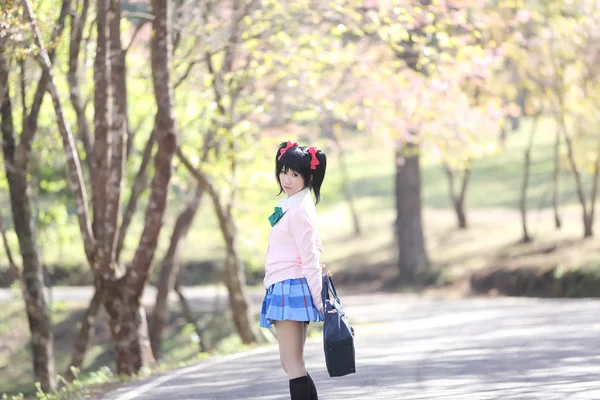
column 291, row 181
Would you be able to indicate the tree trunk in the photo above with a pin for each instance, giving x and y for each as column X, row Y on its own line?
column 587, row 224
column 203, row 343
column 463, row 195
column 239, row 303
column 35, row 302
column 588, row 221
column 348, row 190
column 83, row 130
column 128, row 320
column 525, row 185
column 4, row 68
column 458, row 201
column 235, row 280
column 460, row 214
column 556, row 182
column 128, row 326
column 102, row 139
column 86, row 333
column 330, row 128
column 169, row 272
column 167, row 143
column 75, row 179
column 18, row 275
column 40, row 325
column 118, row 132
column 413, row 261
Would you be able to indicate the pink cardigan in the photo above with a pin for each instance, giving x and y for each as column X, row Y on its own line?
column 295, row 246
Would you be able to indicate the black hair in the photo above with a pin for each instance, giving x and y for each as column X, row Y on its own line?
column 298, row 159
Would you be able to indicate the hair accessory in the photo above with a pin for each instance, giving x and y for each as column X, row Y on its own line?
column 313, row 154
column 288, row 146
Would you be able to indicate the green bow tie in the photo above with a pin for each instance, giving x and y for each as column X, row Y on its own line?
column 276, row 216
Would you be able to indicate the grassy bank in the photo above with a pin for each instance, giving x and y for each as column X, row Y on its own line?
column 180, row 346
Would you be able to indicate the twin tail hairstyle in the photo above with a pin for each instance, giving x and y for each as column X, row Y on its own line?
column 307, row 161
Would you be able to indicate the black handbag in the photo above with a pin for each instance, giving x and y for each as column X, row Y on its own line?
column 338, row 335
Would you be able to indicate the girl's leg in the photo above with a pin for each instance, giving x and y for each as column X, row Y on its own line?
column 291, row 336
column 304, row 334
column 312, row 387
column 305, row 331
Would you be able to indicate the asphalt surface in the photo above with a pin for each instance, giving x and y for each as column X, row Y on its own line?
column 410, row 348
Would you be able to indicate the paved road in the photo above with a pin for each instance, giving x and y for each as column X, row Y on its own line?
column 410, row 348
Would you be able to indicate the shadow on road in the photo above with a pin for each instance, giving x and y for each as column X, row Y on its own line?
column 464, row 349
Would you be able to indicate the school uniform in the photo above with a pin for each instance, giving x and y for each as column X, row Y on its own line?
column 292, row 269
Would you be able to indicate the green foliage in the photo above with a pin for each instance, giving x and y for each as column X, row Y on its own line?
column 17, row 397
column 78, row 389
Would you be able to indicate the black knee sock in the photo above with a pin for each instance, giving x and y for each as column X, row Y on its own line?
column 300, row 388
column 313, row 388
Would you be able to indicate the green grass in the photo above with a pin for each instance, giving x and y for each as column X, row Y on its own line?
column 495, row 181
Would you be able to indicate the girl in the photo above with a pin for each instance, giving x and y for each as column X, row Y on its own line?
column 292, row 268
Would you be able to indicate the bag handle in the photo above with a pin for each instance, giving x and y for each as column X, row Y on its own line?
column 328, row 287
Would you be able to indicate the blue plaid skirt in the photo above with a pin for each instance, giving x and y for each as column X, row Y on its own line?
column 288, row 300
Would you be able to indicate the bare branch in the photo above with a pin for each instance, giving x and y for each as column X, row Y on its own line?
column 132, row 131
column 217, row 81
column 11, row 261
column 75, row 178
column 189, row 54
column 205, row 183
column 240, row 10
column 188, row 69
column 232, row 149
column 202, row 179
column 30, row 122
column 139, row 185
column 86, row 332
column 83, row 130
column 22, row 85
column 235, row 92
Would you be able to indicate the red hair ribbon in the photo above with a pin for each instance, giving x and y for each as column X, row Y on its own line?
column 313, row 154
column 288, row 146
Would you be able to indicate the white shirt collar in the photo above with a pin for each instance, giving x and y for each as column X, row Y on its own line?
column 287, row 202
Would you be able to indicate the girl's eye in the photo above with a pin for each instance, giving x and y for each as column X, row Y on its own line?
column 295, row 175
